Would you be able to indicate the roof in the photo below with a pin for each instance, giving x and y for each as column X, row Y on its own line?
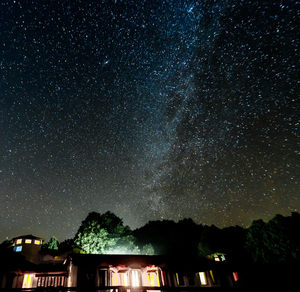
column 16, row 262
column 106, row 260
column 29, row 236
column 140, row 261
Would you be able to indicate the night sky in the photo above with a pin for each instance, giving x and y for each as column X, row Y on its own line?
column 152, row 109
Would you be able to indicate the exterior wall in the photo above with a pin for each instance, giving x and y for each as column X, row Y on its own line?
column 72, row 275
column 88, row 272
column 151, row 276
column 18, row 281
column 203, row 278
column 29, row 248
column 8, row 280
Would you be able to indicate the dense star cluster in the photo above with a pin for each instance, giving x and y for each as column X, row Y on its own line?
column 150, row 109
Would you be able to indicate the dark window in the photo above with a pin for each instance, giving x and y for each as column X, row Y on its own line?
column 103, row 278
column 191, row 279
column 179, row 279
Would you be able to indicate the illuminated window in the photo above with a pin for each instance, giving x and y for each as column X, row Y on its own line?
column 28, row 240
column 114, row 279
column 27, row 281
column 18, row 241
column 235, row 276
column 135, row 278
column 124, row 279
column 153, row 278
column 37, row 242
column 203, row 280
column 18, row 248
column 218, row 257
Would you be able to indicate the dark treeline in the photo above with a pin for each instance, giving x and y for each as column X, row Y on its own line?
column 188, row 238
column 276, row 241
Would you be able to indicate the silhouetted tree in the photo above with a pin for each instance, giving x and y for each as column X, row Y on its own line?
column 210, row 241
column 233, row 243
column 160, row 234
column 6, row 243
column 168, row 237
column 275, row 241
column 255, row 238
column 66, row 246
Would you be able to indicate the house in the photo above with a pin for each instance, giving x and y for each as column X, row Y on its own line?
column 29, row 246
column 145, row 272
column 25, row 266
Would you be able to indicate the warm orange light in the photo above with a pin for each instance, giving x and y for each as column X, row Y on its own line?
column 177, row 279
column 114, row 279
column 235, row 276
column 27, row 281
column 153, row 278
column 124, row 279
column 163, row 275
column 203, row 278
column 212, row 276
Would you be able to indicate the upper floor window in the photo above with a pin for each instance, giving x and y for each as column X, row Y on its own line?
column 37, row 242
column 28, row 240
column 18, row 248
column 19, row 241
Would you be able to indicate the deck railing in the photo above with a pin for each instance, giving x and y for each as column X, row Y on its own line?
column 121, row 289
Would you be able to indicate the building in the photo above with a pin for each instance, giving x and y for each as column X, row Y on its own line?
column 26, row 266
column 29, row 246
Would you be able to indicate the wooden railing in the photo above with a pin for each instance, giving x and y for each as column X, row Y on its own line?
column 122, row 289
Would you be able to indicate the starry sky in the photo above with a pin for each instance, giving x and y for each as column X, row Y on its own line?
column 152, row 109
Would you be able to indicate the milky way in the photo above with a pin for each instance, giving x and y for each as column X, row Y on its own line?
column 150, row 109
